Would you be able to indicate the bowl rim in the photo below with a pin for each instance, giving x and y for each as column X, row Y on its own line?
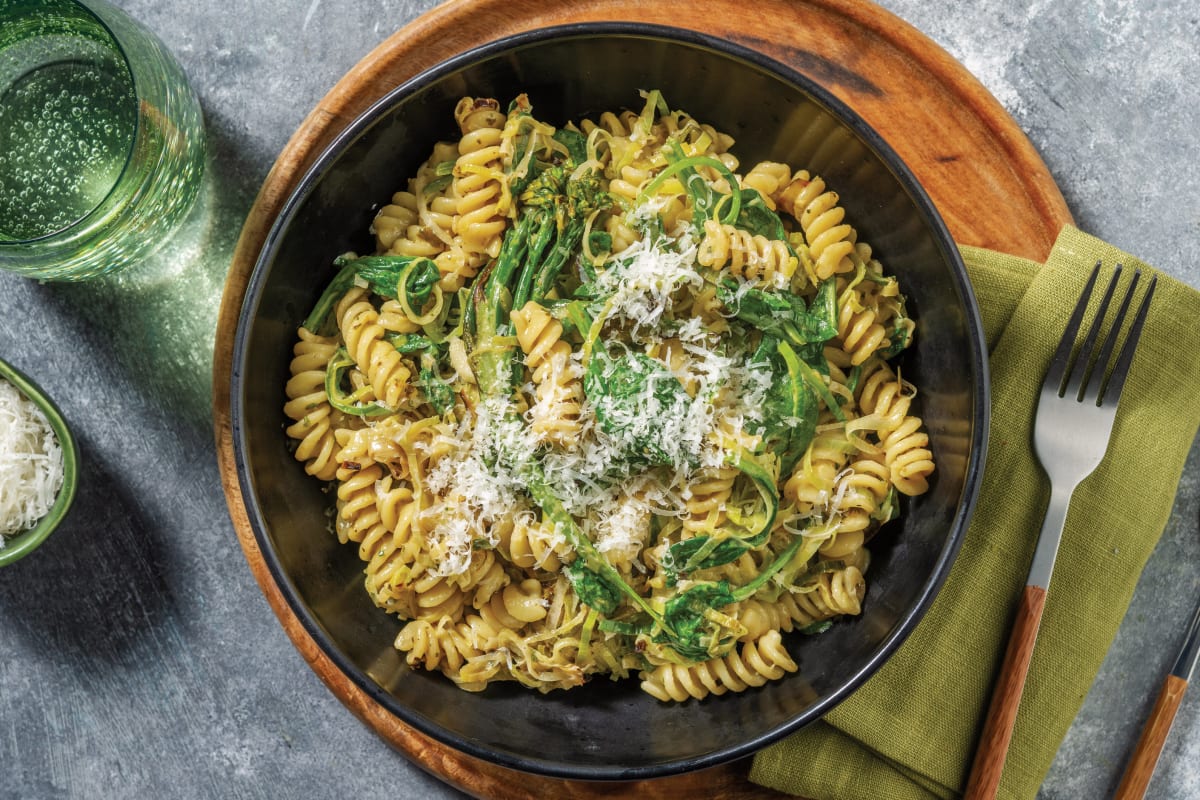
column 22, row 544
column 980, row 413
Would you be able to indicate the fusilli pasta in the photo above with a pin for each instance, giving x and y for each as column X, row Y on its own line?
column 601, row 404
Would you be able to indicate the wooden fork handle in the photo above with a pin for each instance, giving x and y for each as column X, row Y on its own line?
column 1154, row 735
column 1006, row 697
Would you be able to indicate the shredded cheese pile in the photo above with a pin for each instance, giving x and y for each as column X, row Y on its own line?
column 31, row 463
column 611, row 509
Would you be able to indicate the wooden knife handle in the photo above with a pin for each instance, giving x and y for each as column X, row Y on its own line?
column 1006, row 697
column 1154, row 735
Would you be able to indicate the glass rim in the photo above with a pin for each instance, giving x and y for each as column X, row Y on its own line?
column 115, row 41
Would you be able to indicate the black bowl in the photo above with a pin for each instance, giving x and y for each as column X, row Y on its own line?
column 610, row 730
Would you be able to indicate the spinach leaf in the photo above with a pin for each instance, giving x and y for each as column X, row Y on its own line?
column 594, row 579
column 575, row 142
column 899, row 338
column 702, row 552
column 417, row 282
column 384, row 275
column 438, row 393
column 593, row 589
column 782, row 314
column 790, row 408
column 757, row 218
column 636, row 399
column 687, row 628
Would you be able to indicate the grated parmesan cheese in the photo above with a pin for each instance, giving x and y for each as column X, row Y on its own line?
column 612, row 506
column 31, row 463
column 648, row 275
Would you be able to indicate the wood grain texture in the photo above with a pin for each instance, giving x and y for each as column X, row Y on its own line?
column 988, row 182
column 1006, row 697
column 1154, row 735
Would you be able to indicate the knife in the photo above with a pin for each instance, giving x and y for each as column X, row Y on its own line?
column 1154, row 732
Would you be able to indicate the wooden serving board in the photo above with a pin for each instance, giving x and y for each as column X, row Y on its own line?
column 985, row 177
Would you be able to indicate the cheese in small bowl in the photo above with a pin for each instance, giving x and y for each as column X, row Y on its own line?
column 38, row 459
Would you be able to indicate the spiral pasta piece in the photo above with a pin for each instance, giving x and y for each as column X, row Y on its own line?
column 556, row 376
column 479, row 183
column 357, row 515
column 907, row 454
column 760, row 617
column 708, row 498
column 458, row 265
column 437, row 596
column 821, row 218
column 440, row 644
column 838, row 592
column 309, row 406
column 529, row 543
column 903, row 438
column 768, row 178
column 750, row 256
column 516, row 604
column 882, row 394
column 859, row 330
column 359, row 324
column 395, row 221
column 810, row 486
column 391, row 548
column 394, row 319
column 759, row 661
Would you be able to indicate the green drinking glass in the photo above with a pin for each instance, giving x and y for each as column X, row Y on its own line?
column 101, row 140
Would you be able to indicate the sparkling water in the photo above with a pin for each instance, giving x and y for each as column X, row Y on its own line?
column 66, row 132
column 101, row 139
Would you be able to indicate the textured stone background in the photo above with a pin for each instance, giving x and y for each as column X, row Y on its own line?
column 137, row 656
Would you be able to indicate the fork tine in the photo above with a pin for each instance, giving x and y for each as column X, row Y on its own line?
column 1096, row 381
column 1080, row 371
column 1121, row 370
column 1058, row 365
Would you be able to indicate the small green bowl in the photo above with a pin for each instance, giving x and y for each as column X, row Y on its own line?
column 24, row 543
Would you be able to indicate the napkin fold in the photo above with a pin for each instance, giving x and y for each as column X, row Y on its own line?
column 909, row 732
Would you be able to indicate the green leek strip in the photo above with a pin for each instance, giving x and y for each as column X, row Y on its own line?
column 764, row 482
column 383, row 275
column 348, row 403
column 728, row 544
column 818, row 569
column 854, row 377
column 593, row 332
column 690, row 163
column 782, row 560
column 654, row 104
column 810, row 544
column 443, row 177
column 585, row 636
column 402, row 296
column 437, row 330
column 847, row 293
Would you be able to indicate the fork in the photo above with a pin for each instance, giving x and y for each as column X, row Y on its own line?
column 1072, row 427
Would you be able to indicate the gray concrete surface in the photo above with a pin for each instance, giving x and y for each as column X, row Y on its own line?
column 137, row 656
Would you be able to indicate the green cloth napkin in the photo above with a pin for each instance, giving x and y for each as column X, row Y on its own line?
column 911, row 730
